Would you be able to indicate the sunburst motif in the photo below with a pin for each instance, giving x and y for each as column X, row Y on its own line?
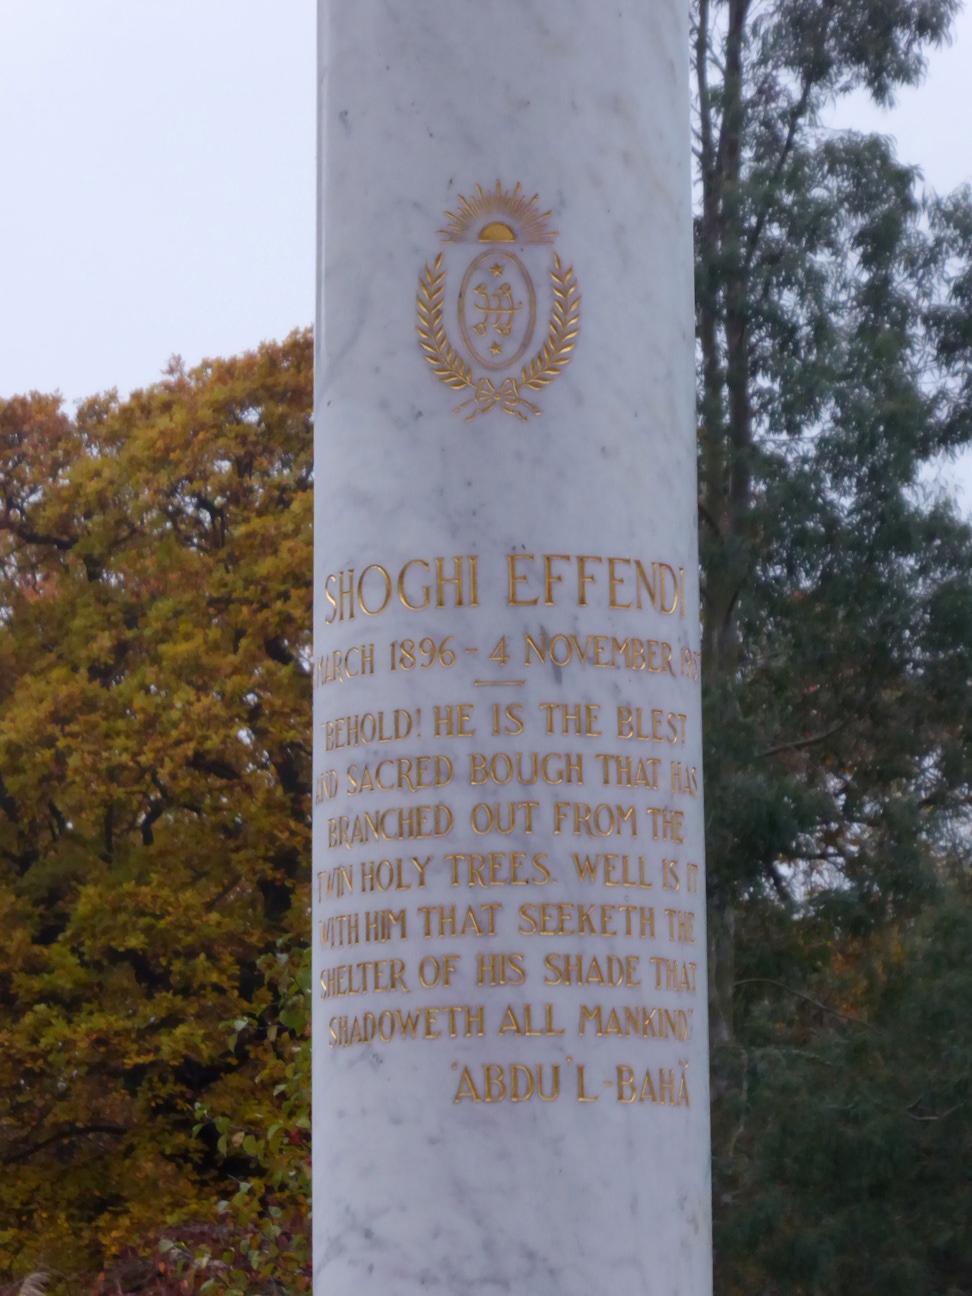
column 489, row 213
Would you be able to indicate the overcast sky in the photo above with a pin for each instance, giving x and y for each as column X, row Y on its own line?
column 157, row 180
column 156, row 185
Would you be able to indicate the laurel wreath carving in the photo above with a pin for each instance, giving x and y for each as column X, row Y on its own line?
column 449, row 366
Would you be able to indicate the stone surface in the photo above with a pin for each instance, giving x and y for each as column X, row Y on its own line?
column 530, row 1136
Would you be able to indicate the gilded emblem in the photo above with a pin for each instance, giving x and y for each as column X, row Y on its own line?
column 496, row 306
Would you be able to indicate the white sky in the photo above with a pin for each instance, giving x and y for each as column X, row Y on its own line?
column 157, row 181
column 157, row 184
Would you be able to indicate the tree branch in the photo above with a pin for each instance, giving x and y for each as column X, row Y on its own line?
column 803, row 742
column 798, row 994
column 75, row 1132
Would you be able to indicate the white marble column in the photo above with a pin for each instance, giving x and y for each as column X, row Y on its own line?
column 510, row 1065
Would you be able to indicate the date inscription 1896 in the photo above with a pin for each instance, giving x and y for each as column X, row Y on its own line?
column 505, row 867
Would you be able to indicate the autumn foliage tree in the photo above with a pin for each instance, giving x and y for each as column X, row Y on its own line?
column 155, row 568
column 155, row 598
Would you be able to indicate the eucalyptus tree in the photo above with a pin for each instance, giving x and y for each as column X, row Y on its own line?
column 834, row 344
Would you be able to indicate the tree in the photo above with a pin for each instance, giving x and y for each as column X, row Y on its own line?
column 834, row 310
column 154, row 712
column 155, row 592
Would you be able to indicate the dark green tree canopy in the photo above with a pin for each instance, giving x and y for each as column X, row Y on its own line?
column 155, row 565
column 834, row 365
column 834, row 330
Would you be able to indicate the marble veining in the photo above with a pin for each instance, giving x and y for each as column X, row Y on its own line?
column 585, row 105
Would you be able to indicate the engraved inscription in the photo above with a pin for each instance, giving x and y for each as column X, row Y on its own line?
column 511, row 882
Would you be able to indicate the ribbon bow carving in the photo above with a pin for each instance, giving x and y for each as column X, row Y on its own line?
column 506, row 396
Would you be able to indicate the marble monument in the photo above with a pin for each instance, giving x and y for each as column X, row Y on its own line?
column 510, row 1057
